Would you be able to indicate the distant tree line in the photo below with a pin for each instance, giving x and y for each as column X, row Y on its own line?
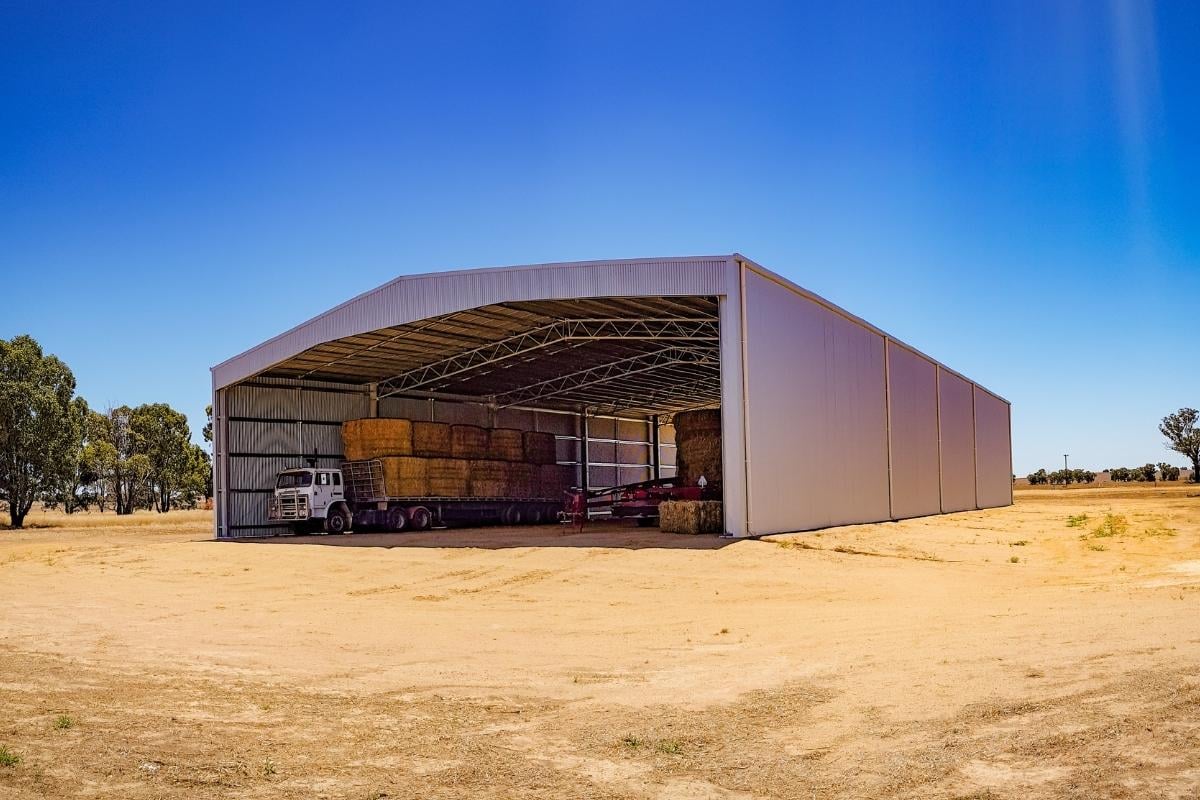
column 1060, row 477
column 56, row 450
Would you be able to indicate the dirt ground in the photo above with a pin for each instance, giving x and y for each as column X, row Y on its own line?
column 1013, row 653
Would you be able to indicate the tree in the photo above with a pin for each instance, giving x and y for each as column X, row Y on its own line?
column 1145, row 473
column 1183, row 436
column 207, row 430
column 74, row 475
column 161, row 435
column 197, row 481
column 36, row 433
column 1168, row 472
column 122, row 470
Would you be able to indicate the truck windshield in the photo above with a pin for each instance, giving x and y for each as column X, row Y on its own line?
column 293, row 480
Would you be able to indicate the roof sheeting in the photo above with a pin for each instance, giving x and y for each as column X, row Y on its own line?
column 418, row 297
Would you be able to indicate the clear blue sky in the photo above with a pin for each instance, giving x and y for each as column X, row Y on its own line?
column 1012, row 187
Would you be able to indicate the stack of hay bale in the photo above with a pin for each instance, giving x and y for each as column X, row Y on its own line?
column 691, row 516
column 436, row 459
column 698, row 446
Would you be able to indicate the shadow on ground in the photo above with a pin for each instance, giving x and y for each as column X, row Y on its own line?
column 607, row 535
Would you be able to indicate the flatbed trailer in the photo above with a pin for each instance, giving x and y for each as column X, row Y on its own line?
column 371, row 507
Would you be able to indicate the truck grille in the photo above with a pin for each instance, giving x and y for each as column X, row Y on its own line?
column 288, row 506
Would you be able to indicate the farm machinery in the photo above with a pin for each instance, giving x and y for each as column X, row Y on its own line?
column 636, row 501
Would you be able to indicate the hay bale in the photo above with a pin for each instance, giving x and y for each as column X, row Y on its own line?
column 448, row 477
column 523, row 480
column 405, row 476
column 698, row 454
column 372, row 438
column 506, row 444
column 431, row 439
column 704, row 420
column 468, row 441
column 554, row 479
column 490, row 478
column 691, row 516
column 540, row 448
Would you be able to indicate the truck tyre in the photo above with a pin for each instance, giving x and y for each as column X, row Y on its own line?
column 397, row 520
column 337, row 521
column 420, row 518
column 512, row 515
column 535, row 515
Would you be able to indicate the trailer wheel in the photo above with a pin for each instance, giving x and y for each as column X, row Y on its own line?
column 337, row 521
column 420, row 518
column 535, row 515
column 511, row 515
column 397, row 519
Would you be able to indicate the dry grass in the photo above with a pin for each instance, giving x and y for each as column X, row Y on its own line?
column 620, row 663
column 108, row 521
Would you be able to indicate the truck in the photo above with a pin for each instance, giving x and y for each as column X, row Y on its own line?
column 312, row 499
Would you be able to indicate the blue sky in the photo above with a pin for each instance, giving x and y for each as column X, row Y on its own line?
column 1011, row 187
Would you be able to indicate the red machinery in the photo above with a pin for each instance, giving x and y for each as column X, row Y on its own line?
column 636, row 501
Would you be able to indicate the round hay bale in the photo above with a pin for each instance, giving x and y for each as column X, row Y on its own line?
column 372, row 438
column 431, row 439
column 706, row 420
column 540, row 448
column 405, row 476
column 490, row 479
column 506, row 444
column 468, row 441
column 448, row 477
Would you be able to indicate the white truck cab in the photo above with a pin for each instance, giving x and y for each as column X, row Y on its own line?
column 307, row 495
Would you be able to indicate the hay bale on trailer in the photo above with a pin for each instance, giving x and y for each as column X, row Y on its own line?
column 449, row 477
column 506, row 444
column 540, row 447
column 691, row 516
column 554, row 479
column 490, row 478
column 468, row 441
column 431, row 439
column 698, row 445
column 372, row 438
column 405, row 476
column 523, row 481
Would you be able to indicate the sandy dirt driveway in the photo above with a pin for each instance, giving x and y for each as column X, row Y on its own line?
column 1050, row 649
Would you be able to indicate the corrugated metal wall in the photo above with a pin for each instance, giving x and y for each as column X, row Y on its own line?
column 957, row 441
column 993, row 453
column 845, row 425
column 264, row 426
column 913, row 428
column 817, row 417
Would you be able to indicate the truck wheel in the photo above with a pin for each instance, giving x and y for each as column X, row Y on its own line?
column 512, row 515
column 397, row 520
column 337, row 522
column 420, row 517
column 535, row 515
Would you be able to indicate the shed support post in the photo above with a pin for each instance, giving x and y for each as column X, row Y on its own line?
column 655, row 453
column 372, row 400
column 583, row 451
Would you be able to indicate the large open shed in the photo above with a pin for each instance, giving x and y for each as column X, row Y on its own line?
column 826, row 419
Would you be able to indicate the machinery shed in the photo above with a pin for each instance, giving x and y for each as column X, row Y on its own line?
column 825, row 419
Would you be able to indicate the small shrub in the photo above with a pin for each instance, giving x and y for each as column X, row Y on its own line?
column 672, row 747
column 1160, row 530
column 1077, row 520
column 62, row 722
column 1013, row 560
column 1096, row 546
column 268, row 768
column 632, row 742
column 1112, row 525
column 1019, row 543
column 8, row 758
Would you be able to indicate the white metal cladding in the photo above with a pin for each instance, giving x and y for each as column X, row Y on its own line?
column 411, row 298
column 913, row 431
column 957, row 442
column 993, row 451
column 817, row 418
